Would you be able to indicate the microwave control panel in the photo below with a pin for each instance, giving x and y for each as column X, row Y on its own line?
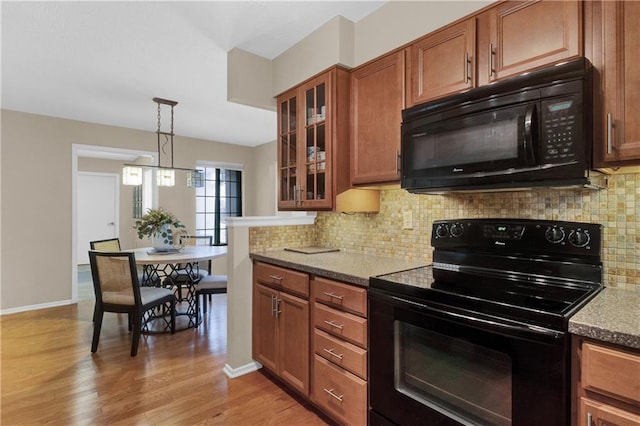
column 559, row 131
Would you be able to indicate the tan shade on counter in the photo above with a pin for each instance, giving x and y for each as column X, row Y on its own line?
column 358, row 200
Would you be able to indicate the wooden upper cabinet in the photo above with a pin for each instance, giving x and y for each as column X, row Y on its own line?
column 442, row 62
column 527, row 35
column 616, row 46
column 313, row 142
column 377, row 101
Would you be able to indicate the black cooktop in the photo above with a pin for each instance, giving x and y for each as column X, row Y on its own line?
column 530, row 271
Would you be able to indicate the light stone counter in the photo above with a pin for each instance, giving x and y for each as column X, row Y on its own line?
column 612, row 316
column 353, row 268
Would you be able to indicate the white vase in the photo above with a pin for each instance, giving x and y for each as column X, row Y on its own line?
column 163, row 239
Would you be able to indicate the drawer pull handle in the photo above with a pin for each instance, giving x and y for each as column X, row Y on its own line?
column 332, row 353
column 589, row 419
column 330, row 392
column 333, row 324
column 333, row 296
column 275, row 277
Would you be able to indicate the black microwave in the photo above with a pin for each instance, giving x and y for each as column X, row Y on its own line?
column 527, row 131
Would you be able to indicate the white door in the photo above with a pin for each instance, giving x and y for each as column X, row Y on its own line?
column 97, row 210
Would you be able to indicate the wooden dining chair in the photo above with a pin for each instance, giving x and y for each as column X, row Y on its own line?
column 211, row 284
column 117, row 289
column 111, row 244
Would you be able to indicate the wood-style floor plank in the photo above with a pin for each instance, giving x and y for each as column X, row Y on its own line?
column 49, row 376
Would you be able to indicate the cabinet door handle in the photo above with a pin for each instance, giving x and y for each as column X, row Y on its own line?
column 467, row 61
column 273, row 306
column 330, row 392
column 278, row 311
column 333, row 324
column 398, row 162
column 333, row 295
column 609, row 133
column 491, row 70
column 332, row 353
column 589, row 419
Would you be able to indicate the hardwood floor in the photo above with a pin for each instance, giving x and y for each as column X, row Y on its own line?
column 48, row 375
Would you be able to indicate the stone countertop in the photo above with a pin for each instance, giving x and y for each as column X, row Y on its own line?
column 353, row 268
column 612, row 316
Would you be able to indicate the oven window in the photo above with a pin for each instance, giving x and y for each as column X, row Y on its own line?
column 467, row 382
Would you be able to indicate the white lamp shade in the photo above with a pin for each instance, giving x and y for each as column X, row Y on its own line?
column 165, row 178
column 131, row 175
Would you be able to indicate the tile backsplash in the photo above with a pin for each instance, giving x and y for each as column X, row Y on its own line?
column 616, row 208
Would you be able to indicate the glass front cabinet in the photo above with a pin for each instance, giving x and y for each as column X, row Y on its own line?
column 313, row 142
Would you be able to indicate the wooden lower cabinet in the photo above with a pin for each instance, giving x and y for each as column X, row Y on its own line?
column 339, row 347
column 281, row 325
column 322, row 352
column 606, row 384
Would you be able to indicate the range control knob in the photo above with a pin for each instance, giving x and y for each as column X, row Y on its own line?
column 456, row 229
column 554, row 234
column 442, row 231
column 579, row 238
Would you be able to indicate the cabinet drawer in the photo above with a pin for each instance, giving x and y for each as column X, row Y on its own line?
column 342, row 296
column 281, row 278
column 611, row 372
column 340, row 393
column 342, row 324
column 346, row 355
column 594, row 412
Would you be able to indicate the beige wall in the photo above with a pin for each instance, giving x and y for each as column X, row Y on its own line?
column 341, row 41
column 265, row 179
column 249, row 80
column 329, row 45
column 36, row 178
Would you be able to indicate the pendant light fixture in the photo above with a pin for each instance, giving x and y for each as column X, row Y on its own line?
column 165, row 175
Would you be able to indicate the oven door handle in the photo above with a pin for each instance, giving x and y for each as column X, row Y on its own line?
column 485, row 324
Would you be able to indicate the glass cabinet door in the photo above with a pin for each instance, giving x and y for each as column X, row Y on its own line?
column 315, row 109
column 289, row 185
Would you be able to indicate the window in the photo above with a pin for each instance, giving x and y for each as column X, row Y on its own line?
column 137, row 202
column 219, row 198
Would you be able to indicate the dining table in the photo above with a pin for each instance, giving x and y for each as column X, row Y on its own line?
column 158, row 269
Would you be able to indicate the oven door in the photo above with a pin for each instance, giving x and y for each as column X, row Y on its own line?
column 439, row 366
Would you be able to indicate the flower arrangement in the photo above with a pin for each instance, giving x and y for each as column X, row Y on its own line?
column 153, row 224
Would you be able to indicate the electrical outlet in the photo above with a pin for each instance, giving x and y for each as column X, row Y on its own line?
column 407, row 219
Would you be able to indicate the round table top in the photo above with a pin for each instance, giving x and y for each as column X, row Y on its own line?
column 185, row 255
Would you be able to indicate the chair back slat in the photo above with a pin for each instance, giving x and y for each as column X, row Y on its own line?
column 112, row 244
column 196, row 240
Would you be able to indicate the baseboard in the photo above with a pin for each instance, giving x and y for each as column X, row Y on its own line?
column 232, row 373
column 34, row 307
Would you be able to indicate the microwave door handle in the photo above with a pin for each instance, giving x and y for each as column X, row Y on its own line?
column 530, row 127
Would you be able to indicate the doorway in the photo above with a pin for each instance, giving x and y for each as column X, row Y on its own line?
column 98, row 207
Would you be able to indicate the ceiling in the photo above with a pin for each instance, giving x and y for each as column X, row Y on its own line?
column 103, row 62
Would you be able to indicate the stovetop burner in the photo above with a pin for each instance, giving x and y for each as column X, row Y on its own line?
column 536, row 272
